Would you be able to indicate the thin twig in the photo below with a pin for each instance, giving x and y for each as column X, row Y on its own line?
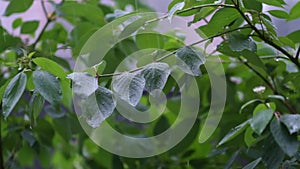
column 297, row 53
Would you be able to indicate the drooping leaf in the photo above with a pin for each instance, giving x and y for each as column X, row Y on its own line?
column 260, row 120
column 292, row 122
column 189, row 60
column 48, row 86
column 98, row 106
column 234, row 132
column 175, row 8
column 17, row 6
column 50, row 66
column 83, row 84
column 239, row 42
column 29, row 27
column 13, row 93
column 36, row 105
column 295, row 11
column 287, row 142
column 156, row 75
column 253, row 164
column 129, row 87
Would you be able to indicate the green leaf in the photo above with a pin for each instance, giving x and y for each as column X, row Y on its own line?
column 13, row 93
column 239, row 42
column 234, row 132
column 29, row 27
column 272, row 153
column 48, row 86
column 98, row 106
column 175, row 8
column 83, row 84
column 253, row 164
column 279, row 14
column 129, row 87
column 189, row 60
column 36, row 105
column 261, row 119
column 278, row 3
column 248, row 137
column 249, row 103
column 288, row 143
column 218, row 22
column 156, row 75
column 253, row 5
column 17, row 6
column 292, row 122
column 294, row 36
column 295, row 11
column 50, row 66
column 17, row 22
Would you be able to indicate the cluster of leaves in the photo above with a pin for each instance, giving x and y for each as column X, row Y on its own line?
column 39, row 128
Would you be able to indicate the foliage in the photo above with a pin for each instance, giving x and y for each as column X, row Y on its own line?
column 39, row 126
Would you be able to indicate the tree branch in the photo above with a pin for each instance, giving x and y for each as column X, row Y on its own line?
column 1, row 150
column 264, row 38
column 297, row 53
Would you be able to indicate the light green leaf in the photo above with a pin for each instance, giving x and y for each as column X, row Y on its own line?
column 17, row 22
column 189, row 60
column 29, row 27
column 295, row 11
column 13, row 93
column 279, row 14
column 234, row 132
column 292, row 122
column 98, row 106
column 50, row 66
column 288, row 143
column 253, row 164
column 239, row 42
column 129, row 87
column 83, row 84
column 294, row 36
column 261, row 119
column 36, row 105
column 156, row 75
column 249, row 103
column 248, row 137
column 175, row 8
column 17, row 6
column 278, row 3
column 48, row 86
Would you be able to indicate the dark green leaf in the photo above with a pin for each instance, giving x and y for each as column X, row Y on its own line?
column 288, row 143
column 98, row 106
column 253, row 5
column 129, row 87
column 234, row 132
column 189, row 60
column 292, row 122
column 294, row 36
column 17, row 6
column 248, row 137
column 28, row 136
column 278, row 3
column 29, row 27
column 44, row 132
column 272, row 153
column 279, row 14
column 13, row 93
column 260, row 120
column 36, row 105
column 253, row 164
column 295, row 11
column 48, row 86
column 239, row 42
column 156, row 75
column 249, row 103
column 83, row 84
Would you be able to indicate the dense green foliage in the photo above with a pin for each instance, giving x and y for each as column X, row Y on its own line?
column 259, row 128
